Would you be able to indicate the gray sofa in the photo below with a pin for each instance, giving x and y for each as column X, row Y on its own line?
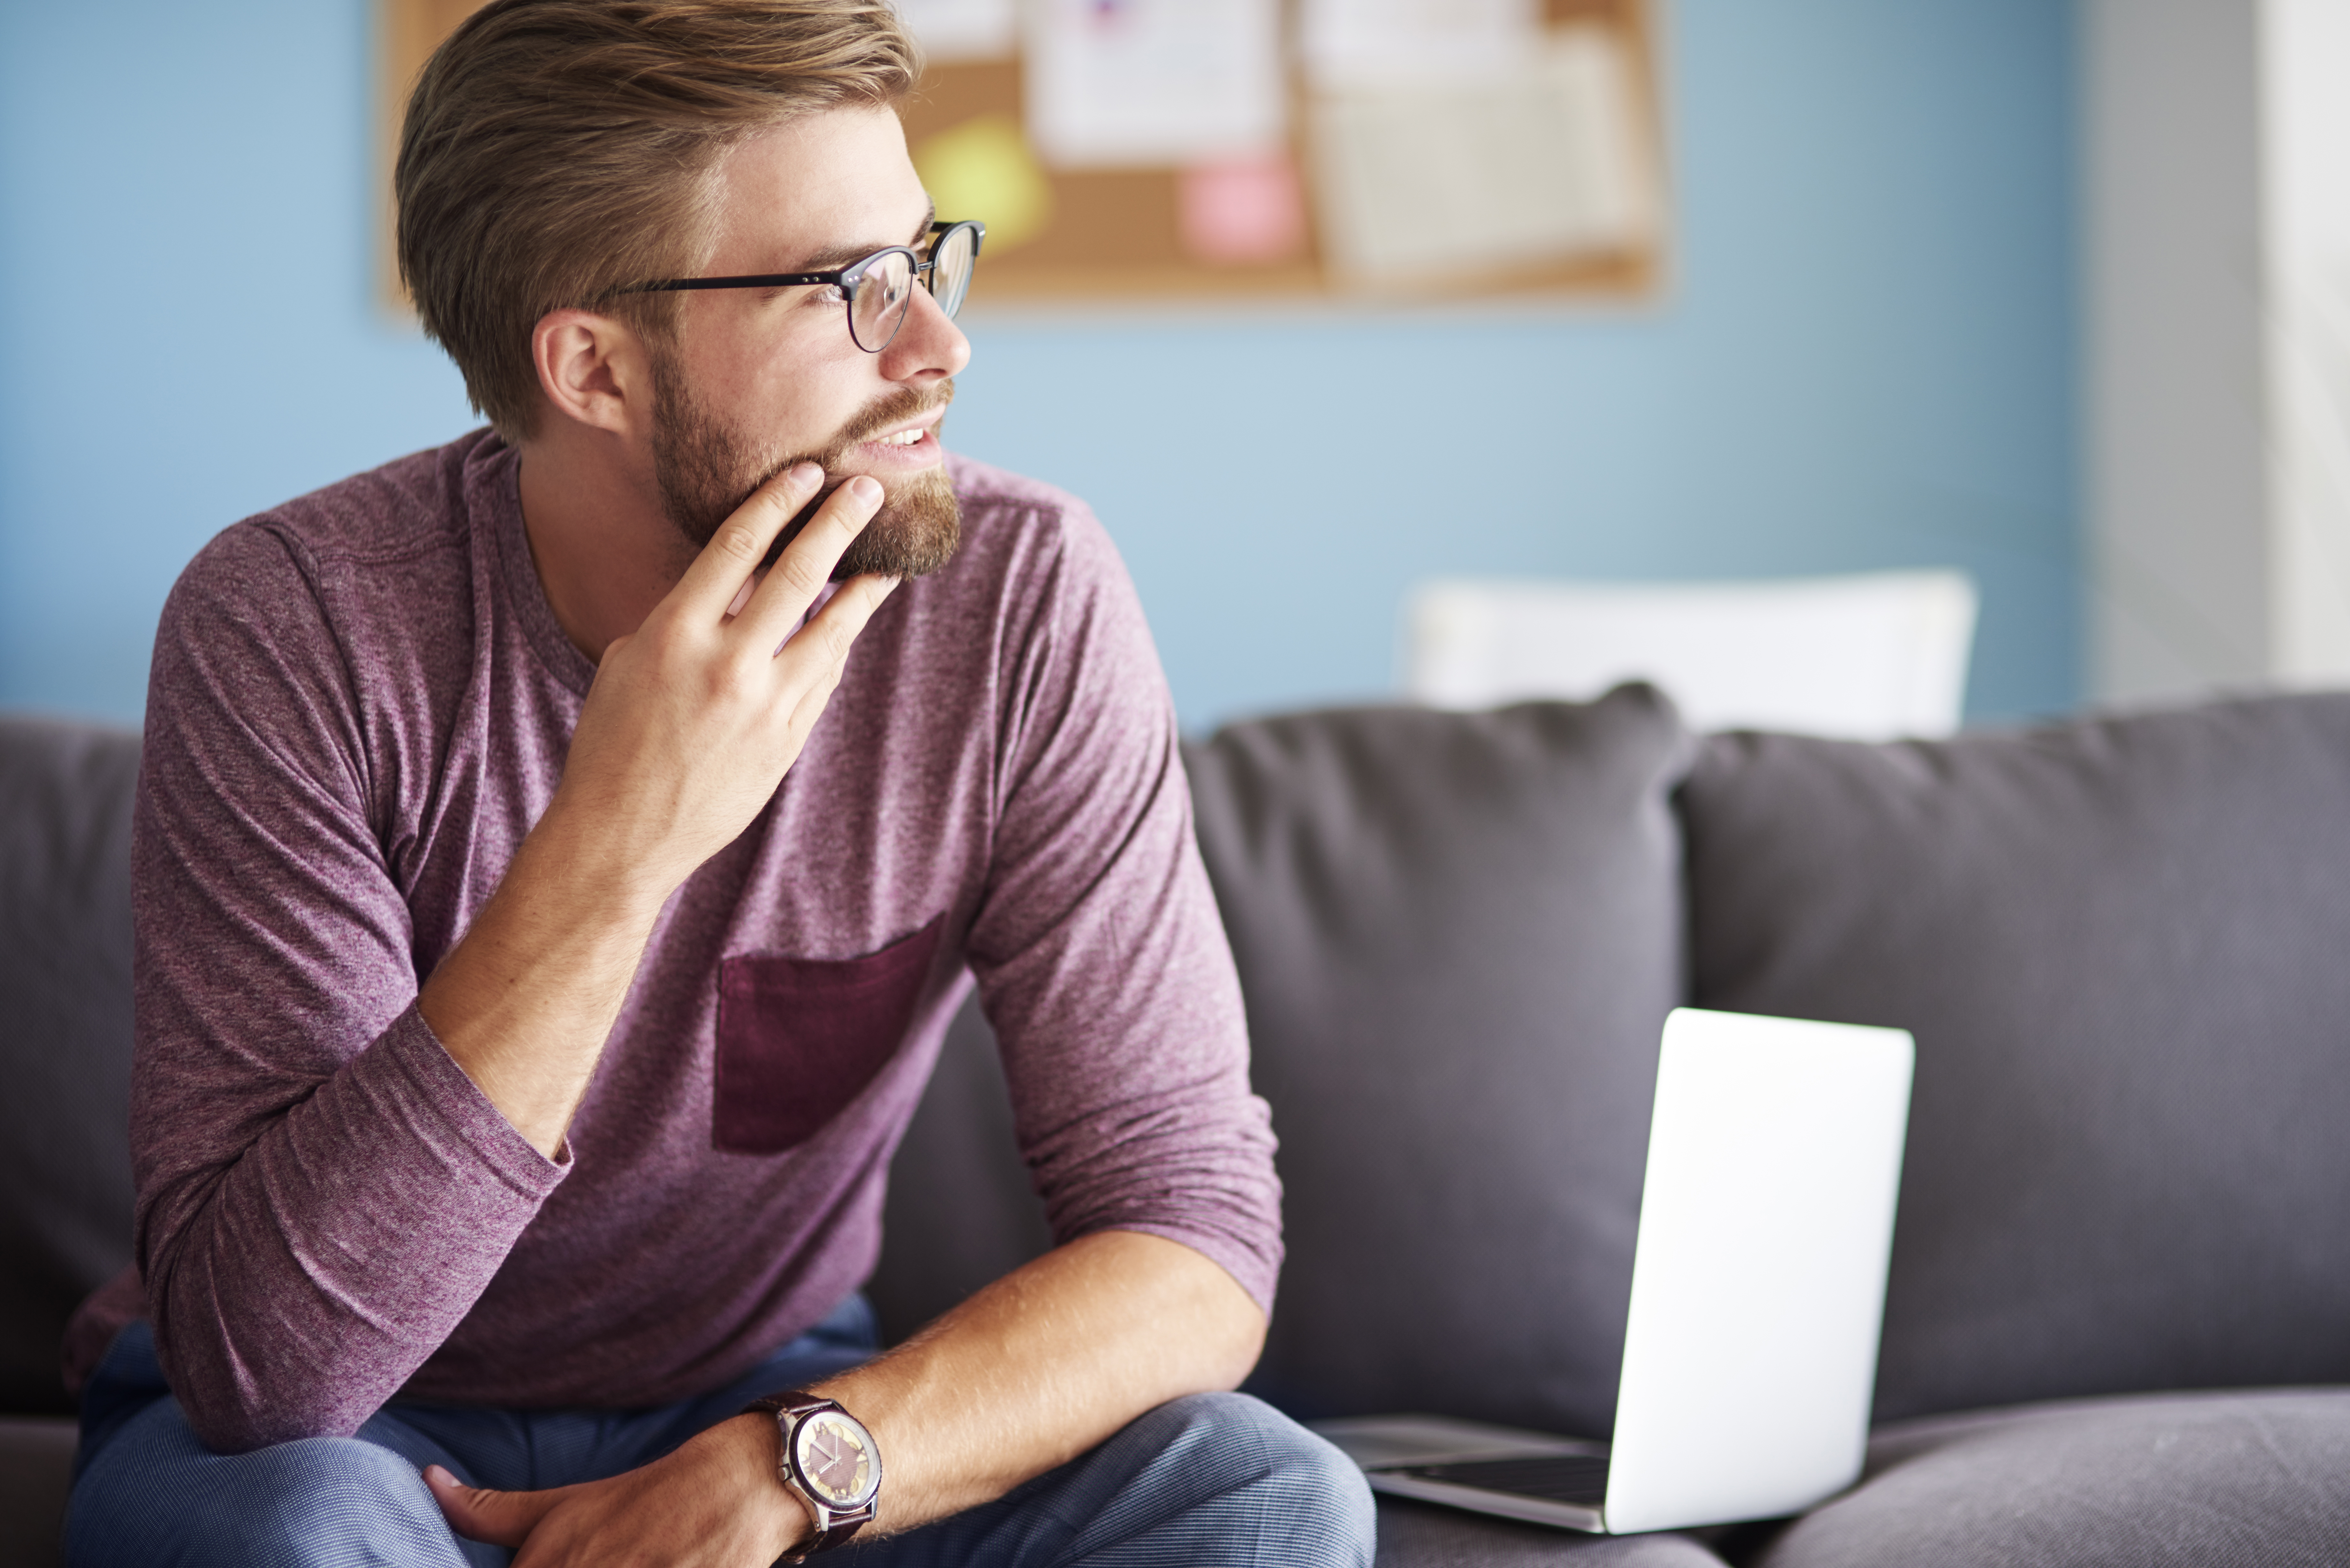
column 2121, row 1287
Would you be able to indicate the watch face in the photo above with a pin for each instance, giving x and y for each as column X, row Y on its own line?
column 836, row 1459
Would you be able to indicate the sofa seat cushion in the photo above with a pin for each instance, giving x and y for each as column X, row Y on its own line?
column 2149, row 1481
column 1425, row 1535
column 2123, row 947
column 1459, row 935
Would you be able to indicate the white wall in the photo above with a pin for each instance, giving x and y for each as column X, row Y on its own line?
column 2177, row 497
column 2306, row 65
column 2217, row 184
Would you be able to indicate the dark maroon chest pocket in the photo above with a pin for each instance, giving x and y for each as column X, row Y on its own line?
column 799, row 1038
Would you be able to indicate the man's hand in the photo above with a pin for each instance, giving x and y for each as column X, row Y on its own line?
column 695, row 718
column 714, row 1503
column 689, row 729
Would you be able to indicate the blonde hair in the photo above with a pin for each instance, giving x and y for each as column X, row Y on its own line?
column 554, row 150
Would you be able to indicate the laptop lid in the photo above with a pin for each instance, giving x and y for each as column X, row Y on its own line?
column 1758, row 1279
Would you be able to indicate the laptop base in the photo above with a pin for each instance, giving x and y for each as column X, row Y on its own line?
column 1504, row 1471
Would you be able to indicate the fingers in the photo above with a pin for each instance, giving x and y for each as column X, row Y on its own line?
column 806, row 563
column 813, row 662
column 811, row 704
column 822, row 644
column 726, row 563
column 479, row 1514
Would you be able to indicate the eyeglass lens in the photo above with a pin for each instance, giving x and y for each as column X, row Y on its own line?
column 876, row 302
column 878, row 299
column 950, row 266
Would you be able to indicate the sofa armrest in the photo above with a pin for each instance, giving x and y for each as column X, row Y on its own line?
column 37, row 1456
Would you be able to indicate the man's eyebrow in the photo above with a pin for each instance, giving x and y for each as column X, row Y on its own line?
column 835, row 257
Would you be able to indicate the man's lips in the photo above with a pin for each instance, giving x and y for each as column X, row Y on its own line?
column 928, row 419
column 913, row 441
column 921, row 425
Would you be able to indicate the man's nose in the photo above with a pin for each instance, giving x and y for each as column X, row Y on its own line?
column 929, row 348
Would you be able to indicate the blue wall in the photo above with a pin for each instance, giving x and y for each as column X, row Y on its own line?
column 1868, row 358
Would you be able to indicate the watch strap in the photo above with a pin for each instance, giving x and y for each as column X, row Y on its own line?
column 825, row 1540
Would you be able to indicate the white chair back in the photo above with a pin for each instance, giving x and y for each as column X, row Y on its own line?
column 1871, row 657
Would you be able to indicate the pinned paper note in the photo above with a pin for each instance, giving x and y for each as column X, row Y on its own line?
column 952, row 30
column 1348, row 44
column 1548, row 162
column 983, row 169
column 1246, row 211
column 1127, row 83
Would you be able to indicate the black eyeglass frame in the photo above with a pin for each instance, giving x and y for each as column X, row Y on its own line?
column 846, row 279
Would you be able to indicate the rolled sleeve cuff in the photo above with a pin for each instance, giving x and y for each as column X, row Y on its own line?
column 422, row 1083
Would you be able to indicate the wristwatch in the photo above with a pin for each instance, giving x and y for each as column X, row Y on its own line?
column 831, row 1463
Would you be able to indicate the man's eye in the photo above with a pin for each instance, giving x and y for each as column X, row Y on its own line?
column 830, row 294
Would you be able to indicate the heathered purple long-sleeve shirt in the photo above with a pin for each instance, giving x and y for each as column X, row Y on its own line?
column 361, row 703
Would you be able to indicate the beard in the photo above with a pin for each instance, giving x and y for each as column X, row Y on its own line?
column 706, row 471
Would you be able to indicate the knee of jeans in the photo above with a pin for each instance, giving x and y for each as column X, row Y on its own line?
column 322, row 1484
column 1319, row 1490
column 300, row 1502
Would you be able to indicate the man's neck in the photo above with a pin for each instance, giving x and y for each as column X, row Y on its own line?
column 605, row 553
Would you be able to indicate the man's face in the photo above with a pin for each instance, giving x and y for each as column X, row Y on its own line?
column 760, row 380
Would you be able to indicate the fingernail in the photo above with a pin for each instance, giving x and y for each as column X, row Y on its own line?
column 807, row 473
column 865, row 488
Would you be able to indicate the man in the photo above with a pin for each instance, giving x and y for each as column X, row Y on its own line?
column 547, row 918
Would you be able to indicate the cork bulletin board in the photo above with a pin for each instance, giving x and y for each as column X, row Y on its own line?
column 1342, row 219
column 407, row 32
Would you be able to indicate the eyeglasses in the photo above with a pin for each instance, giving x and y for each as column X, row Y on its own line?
column 879, row 289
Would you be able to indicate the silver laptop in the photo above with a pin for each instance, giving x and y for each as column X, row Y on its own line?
column 1758, row 1291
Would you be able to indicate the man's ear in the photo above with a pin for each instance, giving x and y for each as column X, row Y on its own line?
column 595, row 369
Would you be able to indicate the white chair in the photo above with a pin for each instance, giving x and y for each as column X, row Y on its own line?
column 1871, row 657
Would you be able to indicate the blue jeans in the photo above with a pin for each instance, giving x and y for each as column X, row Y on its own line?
column 1212, row 1479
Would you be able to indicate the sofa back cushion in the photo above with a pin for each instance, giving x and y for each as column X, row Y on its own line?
column 1458, row 935
column 65, row 1037
column 2123, row 947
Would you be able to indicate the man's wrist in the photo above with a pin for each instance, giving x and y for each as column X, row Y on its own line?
column 783, row 1516
column 570, row 849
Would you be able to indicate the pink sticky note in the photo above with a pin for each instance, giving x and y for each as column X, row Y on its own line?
column 1246, row 211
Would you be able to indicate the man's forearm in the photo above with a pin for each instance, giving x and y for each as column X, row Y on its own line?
column 525, row 1001
column 1030, row 1372
column 1046, row 1364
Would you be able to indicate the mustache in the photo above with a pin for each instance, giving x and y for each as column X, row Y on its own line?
column 890, row 409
